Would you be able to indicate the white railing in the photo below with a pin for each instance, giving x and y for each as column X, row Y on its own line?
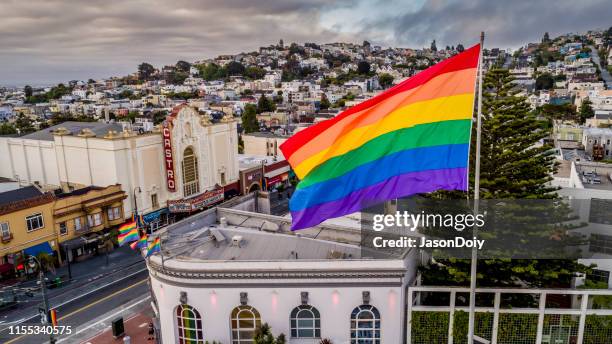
column 546, row 325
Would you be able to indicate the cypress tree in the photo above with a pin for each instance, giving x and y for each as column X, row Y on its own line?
column 514, row 165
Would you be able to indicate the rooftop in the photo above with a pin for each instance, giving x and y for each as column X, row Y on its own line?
column 98, row 128
column 19, row 195
column 215, row 242
column 595, row 175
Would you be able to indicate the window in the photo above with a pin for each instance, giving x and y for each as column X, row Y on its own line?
column 94, row 219
column 63, row 230
column 189, row 325
column 34, row 222
column 5, row 231
column 114, row 213
column 223, row 178
column 154, row 201
column 191, row 184
column 365, row 325
column 244, row 321
column 305, row 322
column 78, row 224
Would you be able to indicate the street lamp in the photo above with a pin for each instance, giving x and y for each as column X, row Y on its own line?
column 33, row 262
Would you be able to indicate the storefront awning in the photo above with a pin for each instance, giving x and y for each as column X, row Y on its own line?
column 277, row 172
column 74, row 243
column 36, row 249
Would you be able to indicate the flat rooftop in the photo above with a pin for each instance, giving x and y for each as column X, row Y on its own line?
column 233, row 243
column 99, row 128
column 595, row 175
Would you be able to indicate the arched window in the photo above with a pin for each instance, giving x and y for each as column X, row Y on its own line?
column 305, row 322
column 365, row 325
column 245, row 319
column 189, row 325
column 191, row 183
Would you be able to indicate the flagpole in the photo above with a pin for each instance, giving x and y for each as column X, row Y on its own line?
column 474, row 262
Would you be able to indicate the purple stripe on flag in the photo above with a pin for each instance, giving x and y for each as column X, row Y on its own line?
column 395, row 187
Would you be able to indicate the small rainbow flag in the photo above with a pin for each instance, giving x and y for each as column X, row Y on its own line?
column 53, row 317
column 125, row 228
column 141, row 243
column 413, row 138
column 154, row 246
column 130, row 236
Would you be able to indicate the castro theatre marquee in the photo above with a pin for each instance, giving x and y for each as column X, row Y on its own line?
column 184, row 165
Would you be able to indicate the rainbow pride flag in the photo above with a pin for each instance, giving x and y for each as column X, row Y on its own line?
column 141, row 243
column 126, row 227
column 130, row 236
column 154, row 246
column 413, row 138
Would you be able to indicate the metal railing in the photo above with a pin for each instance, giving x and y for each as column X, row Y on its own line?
column 547, row 316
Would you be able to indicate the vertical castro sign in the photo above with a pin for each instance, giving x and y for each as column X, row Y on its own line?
column 168, row 158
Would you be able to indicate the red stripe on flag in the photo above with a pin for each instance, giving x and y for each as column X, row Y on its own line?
column 467, row 59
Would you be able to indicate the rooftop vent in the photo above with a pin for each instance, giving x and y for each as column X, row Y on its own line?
column 236, row 240
column 223, row 222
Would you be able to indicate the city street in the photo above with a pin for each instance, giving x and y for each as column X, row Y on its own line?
column 604, row 72
column 96, row 289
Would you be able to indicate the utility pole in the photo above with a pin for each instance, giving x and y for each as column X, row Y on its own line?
column 43, row 288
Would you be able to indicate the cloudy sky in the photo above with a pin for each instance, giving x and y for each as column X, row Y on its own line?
column 49, row 41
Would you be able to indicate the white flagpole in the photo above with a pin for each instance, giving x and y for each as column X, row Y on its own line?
column 474, row 262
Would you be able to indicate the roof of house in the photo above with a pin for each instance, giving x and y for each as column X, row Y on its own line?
column 99, row 128
column 19, row 195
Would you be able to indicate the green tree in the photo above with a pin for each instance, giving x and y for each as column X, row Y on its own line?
column 183, row 66
column 363, row 67
column 27, row 90
column 263, row 335
column 385, row 80
column 460, row 48
column 559, row 112
column 265, row 104
column 7, row 129
column 546, row 38
column 249, row 119
column 513, row 166
column 544, row 82
column 24, row 124
column 235, row 68
column 324, row 104
column 145, row 71
column 586, row 111
column 254, row 72
column 433, row 46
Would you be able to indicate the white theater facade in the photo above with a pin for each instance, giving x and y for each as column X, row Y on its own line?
column 227, row 272
column 183, row 166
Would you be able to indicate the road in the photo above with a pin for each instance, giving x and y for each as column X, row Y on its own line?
column 604, row 72
column 81, row 311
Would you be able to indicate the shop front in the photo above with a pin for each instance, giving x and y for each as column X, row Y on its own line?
column 197, row 203
column 155, row 220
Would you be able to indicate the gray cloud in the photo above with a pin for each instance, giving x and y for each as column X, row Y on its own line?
column 59, row 40
column 510, row 23
column 52, row 41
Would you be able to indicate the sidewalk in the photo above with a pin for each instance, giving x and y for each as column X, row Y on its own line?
column 136, row 327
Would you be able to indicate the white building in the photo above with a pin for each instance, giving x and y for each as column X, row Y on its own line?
column 225, row 277
column 201, row 155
